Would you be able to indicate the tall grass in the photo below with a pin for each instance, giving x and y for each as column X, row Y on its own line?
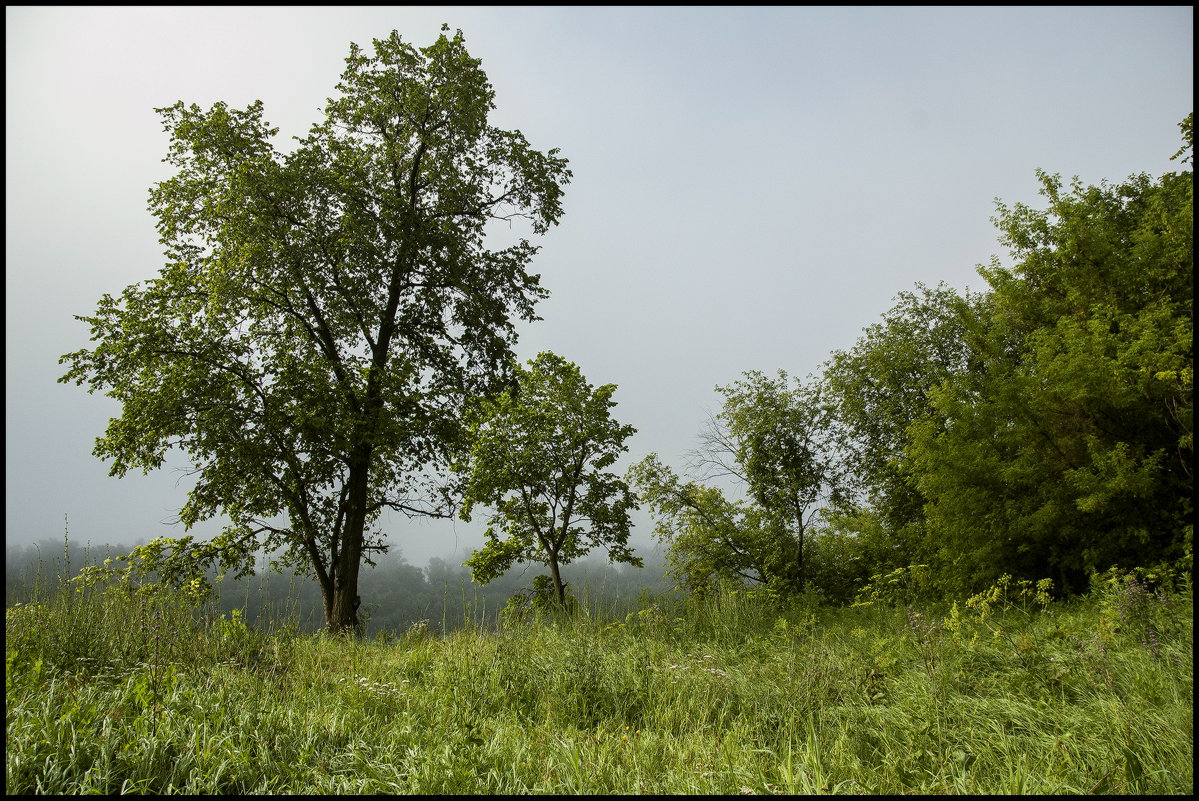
column 115, row 691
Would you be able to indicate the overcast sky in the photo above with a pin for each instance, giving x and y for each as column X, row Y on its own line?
column 751, row 187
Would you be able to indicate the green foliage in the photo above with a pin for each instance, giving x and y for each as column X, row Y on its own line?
column 537, row 601
column 1139, row 605
column 875, row 393
column 994, row 609
column 769, row 437
column 851, row 548
column 325, row 314
column 1070, row 448
column 774, row 434
column 539, row 454
column 1042, row 427
column 1006, row 594
column 903, row 586
column 709, row 536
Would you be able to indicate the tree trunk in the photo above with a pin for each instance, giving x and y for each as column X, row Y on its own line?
column 559, row 590
column 799, row 571
column 799, row 577
column 341, row 611
column 342, row 599
column 341, row 604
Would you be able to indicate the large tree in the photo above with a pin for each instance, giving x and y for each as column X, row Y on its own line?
column 538, row 456
column 324, row 314
column 1070, row 448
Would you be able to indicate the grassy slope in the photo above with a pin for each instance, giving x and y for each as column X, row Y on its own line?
column 735, row 694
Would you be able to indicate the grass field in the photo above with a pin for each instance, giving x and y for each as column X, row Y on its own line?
column 112, row 691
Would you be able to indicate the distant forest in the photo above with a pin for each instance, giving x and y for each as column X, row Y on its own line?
column 396, row 595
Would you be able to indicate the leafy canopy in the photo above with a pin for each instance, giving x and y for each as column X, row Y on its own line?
column 324, row 315
column 770, row 438
column 1070, row 448
column 874, row 393
column 539, row 456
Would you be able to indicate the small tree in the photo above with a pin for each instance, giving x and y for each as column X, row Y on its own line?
column 538, row 457
column 776, row 435
column 709, row 536
column 771, row 438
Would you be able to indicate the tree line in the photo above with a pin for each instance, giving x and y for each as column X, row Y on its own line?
column 331, row 337
column 1041, row 428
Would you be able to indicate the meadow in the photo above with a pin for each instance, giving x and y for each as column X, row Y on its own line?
column 116, row 689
